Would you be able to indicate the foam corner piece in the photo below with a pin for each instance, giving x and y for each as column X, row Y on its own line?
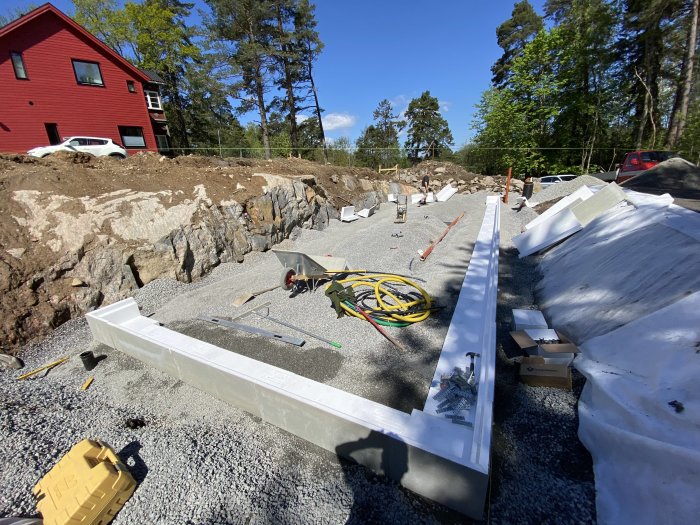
column 367, row 212
column 547, row 233
column 580, row 195
column 391, row 197
column 347, row 214
column 445, row 193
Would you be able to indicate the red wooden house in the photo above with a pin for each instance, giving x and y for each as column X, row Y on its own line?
column 58, row 80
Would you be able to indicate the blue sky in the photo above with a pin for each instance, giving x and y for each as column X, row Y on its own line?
column 396, row 49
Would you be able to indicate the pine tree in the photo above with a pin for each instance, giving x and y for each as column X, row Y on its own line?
column 512, row 35
column 246, row 29
column 428, row 132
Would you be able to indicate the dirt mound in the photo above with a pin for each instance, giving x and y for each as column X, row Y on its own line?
column 440, row 170
column 676, row 176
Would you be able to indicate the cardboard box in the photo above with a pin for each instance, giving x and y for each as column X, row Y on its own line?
column 535, row 372
column 525, row 319
column 555, row 353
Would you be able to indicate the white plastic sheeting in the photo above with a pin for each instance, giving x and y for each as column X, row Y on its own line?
column 627, row 290
column 646, row 454
column 622, row 266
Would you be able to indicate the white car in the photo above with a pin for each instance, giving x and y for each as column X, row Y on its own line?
column 549, row 180
column 97, row 146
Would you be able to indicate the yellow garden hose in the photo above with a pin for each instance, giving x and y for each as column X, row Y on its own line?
column 391, row 309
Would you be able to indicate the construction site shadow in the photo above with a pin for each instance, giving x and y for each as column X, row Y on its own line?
column 384, row 455
column 130, row 456
column 408, row 379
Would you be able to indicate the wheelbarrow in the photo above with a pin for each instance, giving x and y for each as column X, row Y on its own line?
column 301, row 267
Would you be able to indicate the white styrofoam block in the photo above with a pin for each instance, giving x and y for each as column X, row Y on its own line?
column 604, row 199
column 547, row 233
column 391, row 197
column 417, row 197
column 542, row 333
column 524, row 319
column 580, row 195
column 367, row 212
column 347, row 214
column 445, row 193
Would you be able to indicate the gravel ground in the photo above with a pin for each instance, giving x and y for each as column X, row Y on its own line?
column 562, row 189
column 198, row 460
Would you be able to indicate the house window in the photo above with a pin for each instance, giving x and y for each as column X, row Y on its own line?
column 18, row 65
column 162, row 142
column 131, row 86
column 87, row 73
column 132, row 137
column 153, row 100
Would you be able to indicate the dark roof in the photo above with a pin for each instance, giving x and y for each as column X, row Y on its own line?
column 155, row 78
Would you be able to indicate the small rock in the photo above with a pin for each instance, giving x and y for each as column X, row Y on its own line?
column 239, row 186
column 11, row 361
column 16, row 252
column 76, row 282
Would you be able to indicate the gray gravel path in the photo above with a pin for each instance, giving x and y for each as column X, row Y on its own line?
column 200, row 461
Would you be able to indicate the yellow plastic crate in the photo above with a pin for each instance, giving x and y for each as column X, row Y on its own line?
column 87, row 486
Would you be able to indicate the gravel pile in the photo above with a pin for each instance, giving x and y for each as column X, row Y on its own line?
column 562, row 189
column 200, row 461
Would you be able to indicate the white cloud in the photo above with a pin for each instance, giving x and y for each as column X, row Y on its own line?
column 338, row 121
column 400, row 101
column 302, row 118
column 444, row 105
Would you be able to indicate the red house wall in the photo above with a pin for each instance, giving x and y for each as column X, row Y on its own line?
column 53, row 95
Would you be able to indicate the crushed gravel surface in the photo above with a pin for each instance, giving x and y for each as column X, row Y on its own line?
column 562, row 189
column 200, row 461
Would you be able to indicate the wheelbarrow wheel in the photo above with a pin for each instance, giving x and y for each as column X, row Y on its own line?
column 288, row 279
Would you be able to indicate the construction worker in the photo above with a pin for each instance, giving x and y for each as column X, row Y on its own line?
column 425, row 188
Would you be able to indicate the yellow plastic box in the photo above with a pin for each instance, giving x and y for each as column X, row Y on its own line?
column 87, row 486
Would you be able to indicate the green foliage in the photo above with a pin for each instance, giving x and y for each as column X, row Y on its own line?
column 340, row 152
column 15, row 12
column 600, row 81
column 512, row 35
column 379, row 143
column 428, row 132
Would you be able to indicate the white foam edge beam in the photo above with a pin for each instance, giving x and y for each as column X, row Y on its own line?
column 429, row 455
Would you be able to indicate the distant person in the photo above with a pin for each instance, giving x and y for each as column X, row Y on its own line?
column 425, row 188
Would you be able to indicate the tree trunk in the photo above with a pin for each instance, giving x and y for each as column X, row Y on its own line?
column 680, row 105
column 289, row 88
column 263, row 116
column 322, row 136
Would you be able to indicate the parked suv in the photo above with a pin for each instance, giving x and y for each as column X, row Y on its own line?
column 547, row 181
column 97, row 146
column 638, row 161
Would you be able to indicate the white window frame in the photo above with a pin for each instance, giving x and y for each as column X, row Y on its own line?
column 150, row 101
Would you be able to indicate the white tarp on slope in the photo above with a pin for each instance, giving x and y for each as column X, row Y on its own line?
column 622, row 266
column 626, row 289
column 646, row 454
